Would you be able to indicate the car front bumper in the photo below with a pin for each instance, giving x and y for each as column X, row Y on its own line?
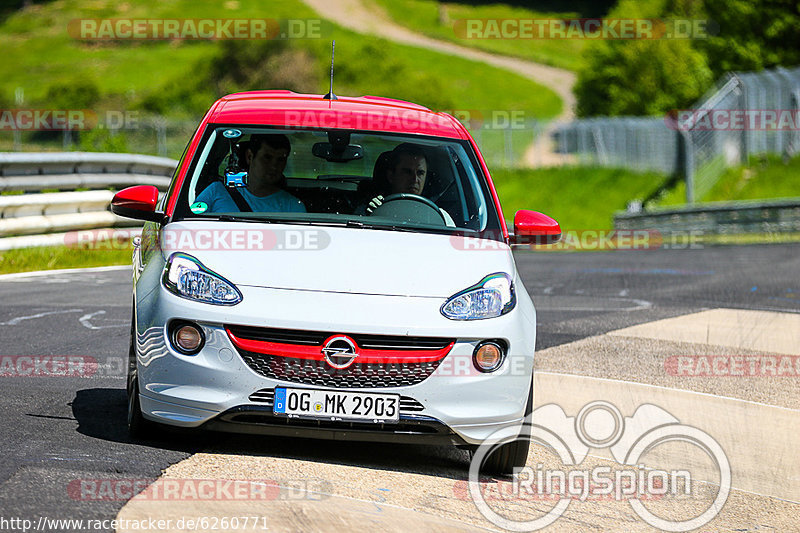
column 213, row 388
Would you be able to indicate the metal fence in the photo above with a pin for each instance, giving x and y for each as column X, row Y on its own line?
column 627, row 142
column 80, row 185
column 672, row 145
column 135, row 133
column 502, row 146
column 747, row 113
column 509, row 146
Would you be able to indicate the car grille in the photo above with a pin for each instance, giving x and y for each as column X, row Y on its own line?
column 316, row 338
column 267, row 397
column 358, row 375
column 355, row 376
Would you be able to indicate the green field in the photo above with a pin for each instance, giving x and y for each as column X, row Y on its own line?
column 579, row 198
column 766, row 177
column 55, row 257
column 440, row 20
column 179, row 79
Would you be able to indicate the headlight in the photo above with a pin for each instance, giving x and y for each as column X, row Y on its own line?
column 188, row 278
column 492, row 296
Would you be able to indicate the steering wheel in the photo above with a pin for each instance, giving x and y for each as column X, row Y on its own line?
column 414, row 198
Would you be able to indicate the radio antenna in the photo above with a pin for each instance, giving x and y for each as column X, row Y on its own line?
column 330, row 95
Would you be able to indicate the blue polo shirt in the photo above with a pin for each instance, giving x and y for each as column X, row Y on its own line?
column 218, row 199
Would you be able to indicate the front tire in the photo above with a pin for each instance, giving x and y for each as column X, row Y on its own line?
column 138, row 426
column 503, row 459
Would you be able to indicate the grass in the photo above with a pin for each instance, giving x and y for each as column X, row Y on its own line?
column 765, row 178
column 45, row 54
column 463, row 85
column 175, row 78
column 56, row 71
column 579, row 198
column 442, row 24
column 56, row 257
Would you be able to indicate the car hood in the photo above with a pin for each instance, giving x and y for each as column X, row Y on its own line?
column 335, row 259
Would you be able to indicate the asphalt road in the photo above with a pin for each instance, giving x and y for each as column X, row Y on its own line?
column 58, row 430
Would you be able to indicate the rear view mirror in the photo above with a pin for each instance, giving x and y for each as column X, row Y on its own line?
column 234, row 176
column 337, row 154
column 532, row 227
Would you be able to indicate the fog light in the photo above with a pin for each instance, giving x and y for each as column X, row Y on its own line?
column 488, row 356
column 187, row 338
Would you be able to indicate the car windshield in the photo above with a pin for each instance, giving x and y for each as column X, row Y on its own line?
column 339, row 177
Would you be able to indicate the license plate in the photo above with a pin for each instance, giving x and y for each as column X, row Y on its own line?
column 335, row 405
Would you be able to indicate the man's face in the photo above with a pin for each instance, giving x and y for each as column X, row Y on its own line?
column 267, row 164
column 408, row 176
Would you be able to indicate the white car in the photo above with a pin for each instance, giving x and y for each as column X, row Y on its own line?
column 331, row 269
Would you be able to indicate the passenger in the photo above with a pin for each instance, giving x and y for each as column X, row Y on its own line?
column 266, row 157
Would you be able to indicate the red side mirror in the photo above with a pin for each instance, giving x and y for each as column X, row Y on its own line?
column 532, row 227
column 137, row 202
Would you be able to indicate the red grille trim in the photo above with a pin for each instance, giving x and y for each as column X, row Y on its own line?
column 365, row 356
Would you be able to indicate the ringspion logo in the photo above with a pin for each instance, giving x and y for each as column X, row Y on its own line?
column 599, row 425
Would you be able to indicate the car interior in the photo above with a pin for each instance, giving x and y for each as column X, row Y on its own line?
column 329, row 190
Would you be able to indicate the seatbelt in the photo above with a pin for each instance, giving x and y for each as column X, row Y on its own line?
column 241, row 203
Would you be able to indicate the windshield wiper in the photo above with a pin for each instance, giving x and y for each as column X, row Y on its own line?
column 344, row 224
column 266, row 220
column 407, row 229
column 239, row 218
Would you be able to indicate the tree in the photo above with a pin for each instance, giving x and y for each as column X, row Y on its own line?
column 751, row 34
column 641, row 78
column 651, row 77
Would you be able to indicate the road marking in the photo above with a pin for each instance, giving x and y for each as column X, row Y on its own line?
column 17, row 320
column 84, row 320
column 638, row 305
column 40, row 273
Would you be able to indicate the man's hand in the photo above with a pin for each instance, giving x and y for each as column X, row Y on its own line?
column 374, row 204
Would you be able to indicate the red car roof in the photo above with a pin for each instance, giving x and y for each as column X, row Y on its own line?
column 370, row 113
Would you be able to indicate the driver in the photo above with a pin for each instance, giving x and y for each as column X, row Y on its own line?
column 406, row 174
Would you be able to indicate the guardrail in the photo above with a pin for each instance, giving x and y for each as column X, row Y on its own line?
column 30, row 217
column 719, row 218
